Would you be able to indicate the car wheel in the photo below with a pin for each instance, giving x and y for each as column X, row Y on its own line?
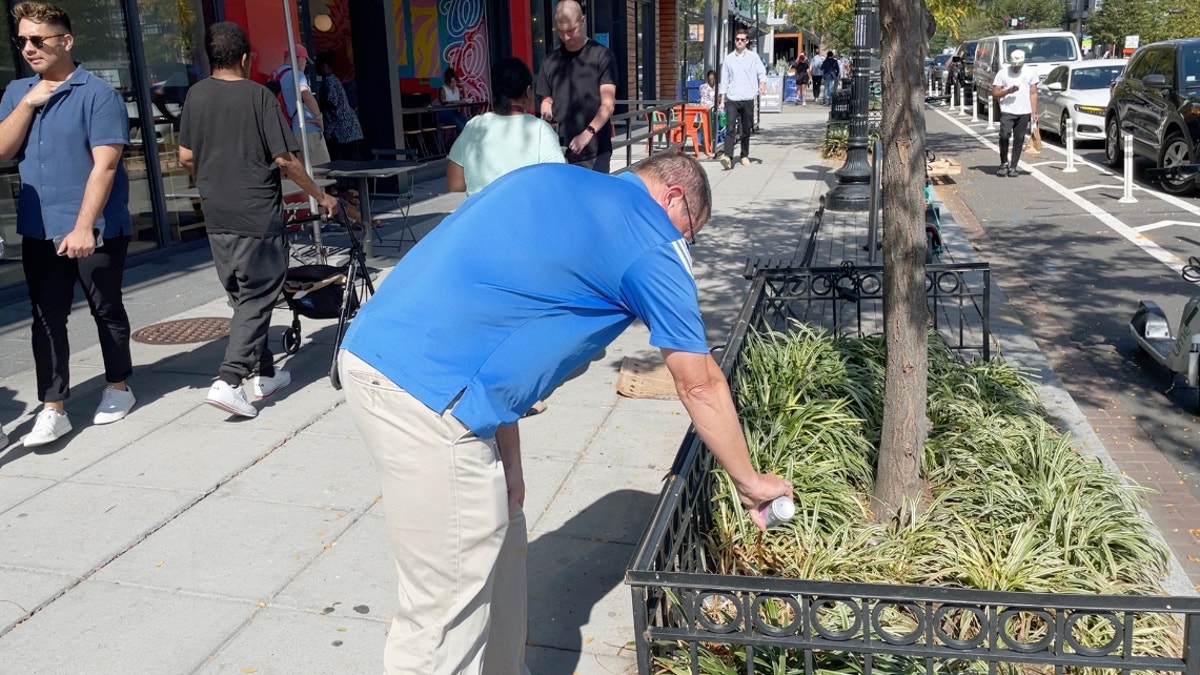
column 1174, row 152
column 1113, row 155
column 1063, row 125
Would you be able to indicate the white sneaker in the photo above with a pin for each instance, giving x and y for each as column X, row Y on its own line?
column 745, row 161
column 231, row 399
column 3, row 439
column 725, row 163
column 49, row 426
column 263, row 386
column 115, row 404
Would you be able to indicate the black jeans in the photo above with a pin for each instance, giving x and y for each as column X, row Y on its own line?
column 601, row 162
column 743, row 113
column 816, row 87
column 252, row 271
column 1012, row 127
column 50, row 279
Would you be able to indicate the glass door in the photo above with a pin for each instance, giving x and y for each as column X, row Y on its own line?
column 173, row 49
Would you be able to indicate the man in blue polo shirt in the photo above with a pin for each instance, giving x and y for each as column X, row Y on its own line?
column 68, row 129
column 487, row 314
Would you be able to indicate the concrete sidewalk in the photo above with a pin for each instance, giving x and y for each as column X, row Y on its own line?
column 176, row 541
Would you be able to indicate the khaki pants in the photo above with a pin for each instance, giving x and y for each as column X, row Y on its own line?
column 318, row 152
column 460, row 559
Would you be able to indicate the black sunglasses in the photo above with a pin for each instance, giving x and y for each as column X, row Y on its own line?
column 37, row 41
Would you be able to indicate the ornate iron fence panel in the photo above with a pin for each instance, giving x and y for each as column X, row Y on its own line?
column 681, row 608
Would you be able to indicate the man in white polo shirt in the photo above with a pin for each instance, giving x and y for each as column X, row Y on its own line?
column 743, row 78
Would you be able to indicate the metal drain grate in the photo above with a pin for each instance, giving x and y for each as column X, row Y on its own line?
column 183, row 331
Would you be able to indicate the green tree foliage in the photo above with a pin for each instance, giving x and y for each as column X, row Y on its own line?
column 1150, row 20
column 996, row 17
column 833, row 20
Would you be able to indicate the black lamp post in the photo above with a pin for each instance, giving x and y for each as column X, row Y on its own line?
column 853, row 189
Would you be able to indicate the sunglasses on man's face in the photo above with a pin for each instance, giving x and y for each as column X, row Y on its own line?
column 741, row 39
column 37, row 41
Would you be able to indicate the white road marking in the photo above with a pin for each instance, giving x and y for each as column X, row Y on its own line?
column 1166, row 223
column 1112, row 222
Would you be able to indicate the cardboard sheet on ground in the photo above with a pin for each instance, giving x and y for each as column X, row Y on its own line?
column 639, row 378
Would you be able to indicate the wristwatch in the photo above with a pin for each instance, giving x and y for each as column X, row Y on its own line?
column 589, row 128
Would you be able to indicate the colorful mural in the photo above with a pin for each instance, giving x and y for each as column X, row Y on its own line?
column 337, row 39
column 433, row 35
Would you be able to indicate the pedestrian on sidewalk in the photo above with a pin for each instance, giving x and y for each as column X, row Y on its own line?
column 831, row 72
column 442, row 362
column 743, row 78
column 314, row 120
column 1016, row 89
column 578, row 86
column 802, row 79
column 68, row 130
column 505, row 139
column 815, row 64
column 234, row 141
column 343, row 132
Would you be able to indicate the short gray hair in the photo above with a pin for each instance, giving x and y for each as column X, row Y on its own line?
column 677, row 168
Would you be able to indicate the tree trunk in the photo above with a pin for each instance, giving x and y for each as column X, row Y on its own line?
column 905, row 313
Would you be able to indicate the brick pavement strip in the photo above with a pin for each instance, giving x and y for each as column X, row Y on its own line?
column 1168, row 502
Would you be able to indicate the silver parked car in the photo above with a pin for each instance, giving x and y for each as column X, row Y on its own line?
column 1076, row 95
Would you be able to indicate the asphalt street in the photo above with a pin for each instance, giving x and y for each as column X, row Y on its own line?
column 1089, row 259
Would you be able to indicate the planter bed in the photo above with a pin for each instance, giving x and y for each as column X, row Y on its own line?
column 690, row 617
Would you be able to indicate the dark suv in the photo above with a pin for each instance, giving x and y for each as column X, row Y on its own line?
column 1157, row 100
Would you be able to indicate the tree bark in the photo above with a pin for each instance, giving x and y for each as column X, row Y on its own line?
column 905, row 313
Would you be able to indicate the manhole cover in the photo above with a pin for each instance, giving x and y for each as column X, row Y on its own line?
column 183, row 331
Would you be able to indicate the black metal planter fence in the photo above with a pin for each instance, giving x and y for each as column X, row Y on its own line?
column 681, row 607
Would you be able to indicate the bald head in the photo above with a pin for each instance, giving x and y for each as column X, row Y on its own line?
column 569, row 9
column 568, row 24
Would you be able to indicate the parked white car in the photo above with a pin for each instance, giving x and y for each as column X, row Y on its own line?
column 1076, row 95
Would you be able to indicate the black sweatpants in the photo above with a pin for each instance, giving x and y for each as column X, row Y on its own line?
column 743, row 113
column 1012, row 127
column 50, row 280
column 252, row 271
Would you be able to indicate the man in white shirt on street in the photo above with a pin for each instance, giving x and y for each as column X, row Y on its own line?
column 744, row 77
column 1016, row 89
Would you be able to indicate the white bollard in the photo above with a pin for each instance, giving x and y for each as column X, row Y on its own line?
column 962, row 100
column 1127, row 197
column 991, row 115
column 974, row 108
column 1069, row 135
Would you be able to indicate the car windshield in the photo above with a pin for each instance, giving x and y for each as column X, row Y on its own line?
column 1098, row 77
column 1047, row 49
column 1190, row 77
column 942, row 59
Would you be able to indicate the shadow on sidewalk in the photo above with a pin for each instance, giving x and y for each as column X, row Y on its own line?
column 571, row 572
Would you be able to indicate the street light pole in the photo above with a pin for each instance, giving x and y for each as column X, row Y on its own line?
column 853, row 189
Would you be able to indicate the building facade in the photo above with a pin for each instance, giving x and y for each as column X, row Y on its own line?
column 391, row 56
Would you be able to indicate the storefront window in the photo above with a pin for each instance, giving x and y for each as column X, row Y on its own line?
column 173, row 42
column 101, row 47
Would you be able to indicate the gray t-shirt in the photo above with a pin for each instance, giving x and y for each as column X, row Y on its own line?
column 235, row 130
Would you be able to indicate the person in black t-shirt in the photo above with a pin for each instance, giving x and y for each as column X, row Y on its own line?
column 578, row 86
column 232, row 137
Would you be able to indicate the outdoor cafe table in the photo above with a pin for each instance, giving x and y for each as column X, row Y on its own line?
column 287, row 187
column 364, row 171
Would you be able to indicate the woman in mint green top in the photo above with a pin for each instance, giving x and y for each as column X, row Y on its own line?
column 508, row 138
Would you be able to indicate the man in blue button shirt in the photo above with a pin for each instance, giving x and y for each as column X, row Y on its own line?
column 68, row 129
